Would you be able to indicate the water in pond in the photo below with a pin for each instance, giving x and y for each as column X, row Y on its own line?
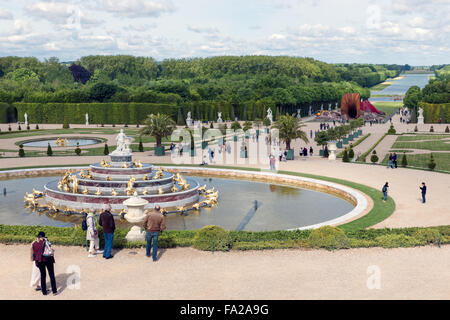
column 72, row 142
column 278, row 207
column 399, row 87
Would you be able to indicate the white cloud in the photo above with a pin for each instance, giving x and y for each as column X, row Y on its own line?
column 56, row 12
column 6, row 14
column 205, row 30
column 138, row 8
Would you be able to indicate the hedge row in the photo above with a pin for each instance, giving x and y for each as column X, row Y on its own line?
column 341, row 154
column 363, row 157
column 433, row 112
column 107, row 113
column 216, row 238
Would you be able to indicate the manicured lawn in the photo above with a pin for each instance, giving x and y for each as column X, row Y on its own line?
column 442, row 160
column 432, row 144
column 423, row 137
column 388, row 106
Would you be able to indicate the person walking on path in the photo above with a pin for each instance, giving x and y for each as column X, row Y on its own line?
column 154, row 223
column 423, row 188
column 310, row 151
column 107, row 222
column 35, row 272
column 394, row 160
column 385, row 191
column 44, row 261
column 390, row 163
column 92, row 235
column 272, row 162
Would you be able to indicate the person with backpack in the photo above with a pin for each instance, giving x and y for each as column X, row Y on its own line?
column 92, row 235
column 385, row 191
column 44, row 259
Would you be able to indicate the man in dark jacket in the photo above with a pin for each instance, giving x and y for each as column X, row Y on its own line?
column 43, row 262
column 423, row 188
column 106, row 220
column 154, row 223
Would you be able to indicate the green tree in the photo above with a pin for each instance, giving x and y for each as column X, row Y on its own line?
column 77, row 149
column 158, row 126
column 431, row 163
column 374, row 157
column 289, row 128
column 351, row 153
column 345, row 157
column 21, row 151
column 102, row 91
column 235, row 125
column 247, row 125
column 322, row 139
column 49, row 150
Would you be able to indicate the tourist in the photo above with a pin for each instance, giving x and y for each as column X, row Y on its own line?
column 305, row 152
column 310, row 151
column 44, row 262
column 310, row 134
column 385, row 191
column 280, row 156
column 35, row 272
column 272, row 162
column 394, row 160
column 423, row 188
column 107, row 222
column 285, row 155
column 300, row 152
column 154, row 223
column 390, row 161
column 92, row 235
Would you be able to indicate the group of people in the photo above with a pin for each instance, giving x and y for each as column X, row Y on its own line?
column 304, row 152
column 392, row 163
column 42, row 252
column 423, row 191
column 324, row 126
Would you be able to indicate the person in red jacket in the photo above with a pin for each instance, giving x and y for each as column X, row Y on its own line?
column 43, row 262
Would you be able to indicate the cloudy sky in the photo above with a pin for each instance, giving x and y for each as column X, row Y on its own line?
column 365, row 31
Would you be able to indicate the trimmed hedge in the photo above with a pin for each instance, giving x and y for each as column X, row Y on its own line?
column 432, row 112
column 130, row 113
column 326, row 237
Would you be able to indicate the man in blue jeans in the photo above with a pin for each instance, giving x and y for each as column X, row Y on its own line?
column 385, row 191
column 106, row 220
column 154, row 223
column 423, row 188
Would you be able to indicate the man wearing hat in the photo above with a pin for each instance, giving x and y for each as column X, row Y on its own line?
column 154, row 223
column 43, row 262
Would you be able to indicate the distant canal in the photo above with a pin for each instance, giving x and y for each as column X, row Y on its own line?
column 399, row 87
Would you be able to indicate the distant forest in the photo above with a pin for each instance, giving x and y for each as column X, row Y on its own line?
column 284, row 83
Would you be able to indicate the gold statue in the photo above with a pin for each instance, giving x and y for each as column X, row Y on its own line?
column 181, row 209
column 99, row 192
column 196, row 206
column 57, row 141
column 160, row 190
column 209, row 191
column 137, row 164
column 202, row 189
column 146, row 177
column 82, row 174
column 125, row 165
column 66, row 188
column 130, row 186
column 60, row 185
column 74, row 184
column 145, row 192
column 108, row 178
column 104, row 164
column 186, row 186
column 174, row 188
column 85, row 191
column 114, row 192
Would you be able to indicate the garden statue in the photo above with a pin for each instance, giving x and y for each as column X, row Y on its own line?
column 420, row 117
column 321, row 107
column 87, row 119
column 26, row 119
column 219, row 117
column 122, row 145
column 329, row 107
column 298, row 114
column 269, row 115
column 189, row 121
column 310, row 111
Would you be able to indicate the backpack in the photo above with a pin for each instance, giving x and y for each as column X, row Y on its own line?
column 84, row 226
column 48, row 249
column 384, row 189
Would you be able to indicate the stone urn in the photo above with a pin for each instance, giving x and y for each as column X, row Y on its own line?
column 332, row 149
column 135, row 215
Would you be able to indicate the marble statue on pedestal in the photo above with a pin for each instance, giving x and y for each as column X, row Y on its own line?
column 219, row 117
column 420, row 117
column 189, row 121
column 269, row 115
column 299, row 116
column 87, row 119
column 310, row 111
column 123, row 145
column 26, row 119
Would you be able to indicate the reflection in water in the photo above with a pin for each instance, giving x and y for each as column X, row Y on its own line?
column 284, row 190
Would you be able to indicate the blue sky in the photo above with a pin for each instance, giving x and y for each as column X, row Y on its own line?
column 401, row 31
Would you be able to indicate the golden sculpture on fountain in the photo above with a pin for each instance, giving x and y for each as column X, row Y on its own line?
column 137, row 164
column 74, row 183
column 114, row 192
column 99, row 192
column 85, row 191
column 160, row 190
column 130, row 186
column 104, row 164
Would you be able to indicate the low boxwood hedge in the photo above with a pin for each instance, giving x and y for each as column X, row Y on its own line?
column 213, row 238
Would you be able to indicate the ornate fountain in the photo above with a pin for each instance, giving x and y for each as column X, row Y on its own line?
column 115, row 181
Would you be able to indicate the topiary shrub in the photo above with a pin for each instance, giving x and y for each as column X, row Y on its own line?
column 9, row 128
column 211, row 126
column 391, row 130
column 212, row 238
column 21, row 151
column 102, row 125
column 428, row 235
column 19, row 128
column 113, row 125
column 141, row 146
column 126, row 125
column 404, row 161
column 351, row 153
column 66, row 124
column 329, row 238
column 374, row 157
column 77, row 149
column 28, row 127
column 431, row 129
column 37, row 127
column 49, row 150
column 345, row 156
column 431, row 163
column 416, row 129
column 447, row 130
column 106, row 150
column 397, row 240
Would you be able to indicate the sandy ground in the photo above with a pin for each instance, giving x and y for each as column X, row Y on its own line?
column 186, row 273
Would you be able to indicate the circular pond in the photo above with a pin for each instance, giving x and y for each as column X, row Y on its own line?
column 69, row 142
column 243, row 205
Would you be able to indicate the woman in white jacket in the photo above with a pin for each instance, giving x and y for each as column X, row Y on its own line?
column 92, row 235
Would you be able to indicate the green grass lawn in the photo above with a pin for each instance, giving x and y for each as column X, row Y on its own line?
column 421, row 160
column 422, row 137
column 432, row 144
column 388, row 106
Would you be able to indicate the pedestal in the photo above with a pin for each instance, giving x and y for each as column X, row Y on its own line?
column 135, row 234
column 420, row 120
column 332, row 149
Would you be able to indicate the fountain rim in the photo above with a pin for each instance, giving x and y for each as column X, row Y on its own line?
column 100, row 140
column 358, row 196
